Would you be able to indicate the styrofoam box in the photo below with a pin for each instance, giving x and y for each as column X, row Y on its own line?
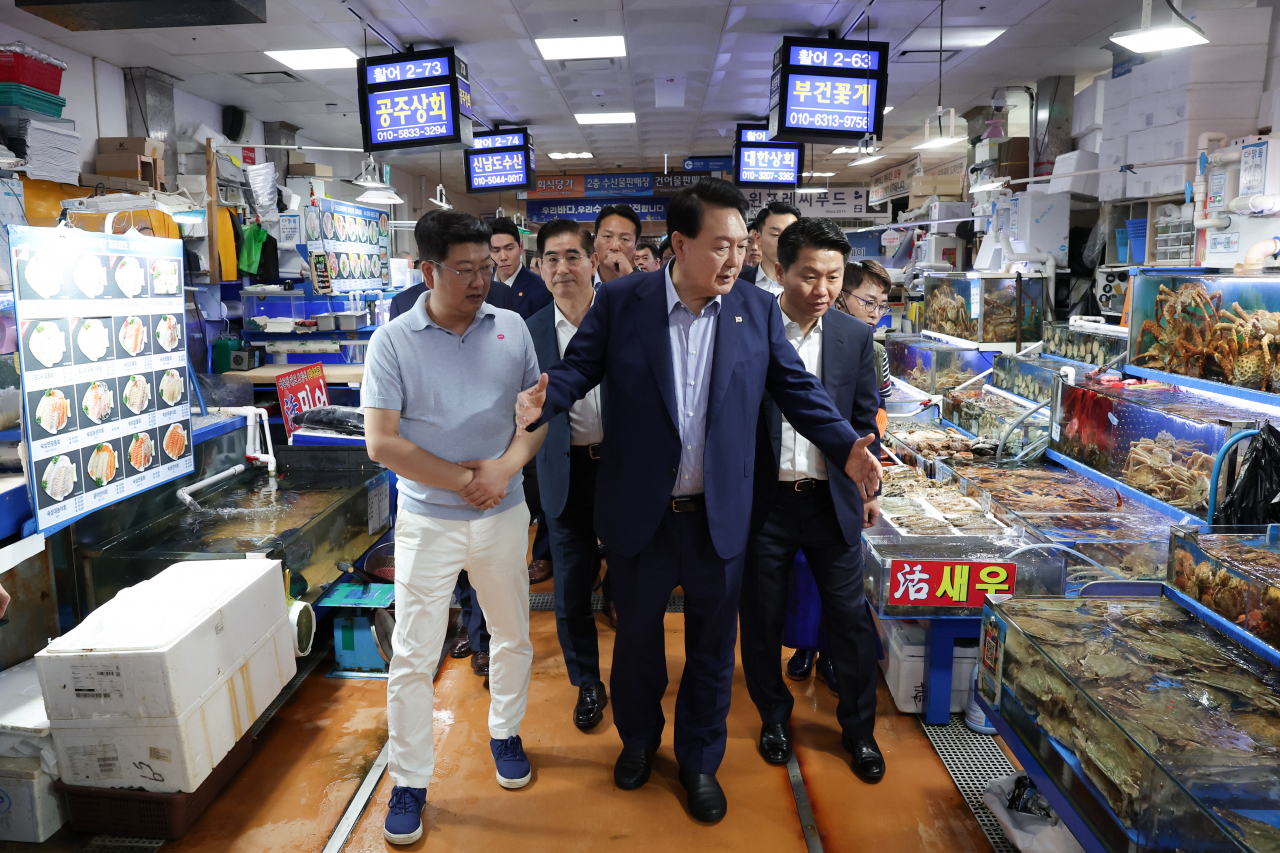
column 1113, row 153
column 1091, row 141
column 1144, row 81
column 1115, row 122
column 24, row 725
column 903, row 665
column 1075, row 161
column 1110, row 186
column 160, row 646
column 1142, row 113
column 30, row 810
column 1207, row 63
column 1119, row 91
column 1235, row 27
column 171, row 755
column 1208, row 101
column 1158, row 180
column 1086, row 115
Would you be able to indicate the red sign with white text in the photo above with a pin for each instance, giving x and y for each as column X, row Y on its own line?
column 942, row 583
column 300, row 390
column 249, row 156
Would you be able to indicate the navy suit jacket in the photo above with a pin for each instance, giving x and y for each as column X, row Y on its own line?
column 529, row 294
column 499, row 297
column 553, row 456
column 849, row 375
column 624, row 342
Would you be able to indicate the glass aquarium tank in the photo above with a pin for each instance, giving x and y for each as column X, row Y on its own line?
column 913, row 504
column 921, row 442
column 989, row 413
column 1217, row 327
column 933, row 366
column 314, row 516
column 984, row 307
column 1157, row 438
column 1162, row 734
column 908, row 403
column 1233, row 571
column 1092, row 348
column 1131, row 543
column 1037, row 489
column 1031, row 376
column 1039, row 572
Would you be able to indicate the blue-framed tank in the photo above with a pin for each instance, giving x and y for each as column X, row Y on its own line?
column 1031, row 376
column 1232, row 570
column 1092, row 348
column 933, row 366
column 988, row 412
column 984, row 307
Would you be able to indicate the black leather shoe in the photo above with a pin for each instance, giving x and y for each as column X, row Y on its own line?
column 633, row 767
column 775, row 743
column 800, row 667
column 706, row 800
column 461, row 645
column 591, row 704
column 827, row 674
column 868, row 763
column 480, row 663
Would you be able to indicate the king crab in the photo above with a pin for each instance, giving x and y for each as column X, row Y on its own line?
column 1249, row 362
column 1176, row 335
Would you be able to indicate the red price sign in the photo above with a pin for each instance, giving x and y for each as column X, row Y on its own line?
column 940, row 583
column 300, row 390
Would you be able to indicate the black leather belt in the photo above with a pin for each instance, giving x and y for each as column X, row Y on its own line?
column 591, row 450
column 808, row 484
column 689, row 503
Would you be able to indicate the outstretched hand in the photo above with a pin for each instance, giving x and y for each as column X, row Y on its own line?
column 529, row 403
column 863, row 467
column 488, row 484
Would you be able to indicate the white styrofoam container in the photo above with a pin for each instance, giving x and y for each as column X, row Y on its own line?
column 159, row 646
column 1142, row 113
column 1119, row 91
column 1236, row 27
column 1143, row 81
column 1142, row 146
column 1110, row 186
column 30, row 810
column 1086, row 114
column 1075, row 161
column 177, row 754
column 1207, row 101
column 1091, row 141
column 1158, row 180
column 1115, row 122
column 1176, row 141
column 1210, row 63
column 24, row 725
column 903, row 665
column 1113, row 153
column 1267, row 107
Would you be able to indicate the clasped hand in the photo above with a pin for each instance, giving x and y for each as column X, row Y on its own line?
column 488, row 484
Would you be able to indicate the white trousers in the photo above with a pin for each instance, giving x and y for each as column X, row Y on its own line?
column 429, row 554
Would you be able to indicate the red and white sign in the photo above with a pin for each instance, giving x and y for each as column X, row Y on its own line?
column 249, row 156
column 941, row 583
column 300, row 390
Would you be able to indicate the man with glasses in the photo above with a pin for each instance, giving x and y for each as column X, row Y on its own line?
column 617, row 233
column 439, row 385
column 769, row 224
column 568, row 463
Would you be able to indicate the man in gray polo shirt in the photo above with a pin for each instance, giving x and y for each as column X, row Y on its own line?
column 439, row 390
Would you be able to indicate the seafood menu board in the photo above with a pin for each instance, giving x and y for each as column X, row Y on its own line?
column 103, row 363
column 355, row 241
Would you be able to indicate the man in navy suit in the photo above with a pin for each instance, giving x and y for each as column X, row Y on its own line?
column 768, row 225
column 799, row 504
column 685, row 356
column 568, row 465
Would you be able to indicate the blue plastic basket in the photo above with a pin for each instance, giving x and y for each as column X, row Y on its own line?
column 1137, row 229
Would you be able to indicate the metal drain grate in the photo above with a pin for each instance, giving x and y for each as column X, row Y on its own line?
column 545, row 601
column 122, row 844
column 973, row 760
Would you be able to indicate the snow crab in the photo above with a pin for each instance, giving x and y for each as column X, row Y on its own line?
column 1172, row 470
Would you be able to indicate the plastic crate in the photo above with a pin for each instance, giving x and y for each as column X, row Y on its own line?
column 143, row 814
column 18, row 95
column 19, row 68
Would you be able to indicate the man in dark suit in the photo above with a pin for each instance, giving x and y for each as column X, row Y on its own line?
column 768, row 225
column 800, row 505
column 568, row 464
column 685, row 356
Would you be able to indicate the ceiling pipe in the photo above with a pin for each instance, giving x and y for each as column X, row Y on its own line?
column 378, row 28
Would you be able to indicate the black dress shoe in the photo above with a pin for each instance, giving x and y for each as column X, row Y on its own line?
column 633, row 767
column 775, row 743
column 706, row 800
column 868, row 763
column 480, row 663
column 461, row 645
column 827, row 674
column 591, row 704
column 800, row 666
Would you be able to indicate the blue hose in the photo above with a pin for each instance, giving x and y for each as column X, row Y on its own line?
column 1217, row 467
column 195, row 386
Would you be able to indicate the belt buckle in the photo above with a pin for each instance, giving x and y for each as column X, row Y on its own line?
column 593, row 451
column 683, row 505
column 803, row 485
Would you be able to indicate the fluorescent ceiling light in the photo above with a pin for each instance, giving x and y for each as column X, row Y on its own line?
column 314, row 60
column 817, row 174
column 868, row 159
column 887, row 110
column 953, row 38
column 605, row 118
column 987, row 186
column 938, row 142
column 590, row 47
column 380, row 196
column 570, row 155
column 1159, row 38
column 809, row 190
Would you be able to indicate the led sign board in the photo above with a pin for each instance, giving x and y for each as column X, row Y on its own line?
column 414, row 100
column 497, row 169
column 761, row 164
column 825, row 90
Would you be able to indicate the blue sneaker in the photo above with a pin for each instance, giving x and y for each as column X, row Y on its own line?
column 404, row 815
column 513, row 766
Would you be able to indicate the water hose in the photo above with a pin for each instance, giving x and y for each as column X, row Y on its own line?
column 1014, row 425
column 1217, row 467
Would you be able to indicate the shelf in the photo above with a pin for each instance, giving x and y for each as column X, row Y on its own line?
column 213, row 430
column 1181, row 516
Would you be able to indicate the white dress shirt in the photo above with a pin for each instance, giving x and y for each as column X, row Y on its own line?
column 511, row 282
column 765, row 283
column 800, row 460
column 585, row 426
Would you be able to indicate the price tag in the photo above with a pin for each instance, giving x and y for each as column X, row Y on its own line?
column 1056, row 431
column 379, row 503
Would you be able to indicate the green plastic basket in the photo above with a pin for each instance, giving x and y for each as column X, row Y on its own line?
column 27, row 97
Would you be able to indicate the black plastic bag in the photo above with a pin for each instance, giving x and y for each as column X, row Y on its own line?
column 1254, row 498
column 344, row 419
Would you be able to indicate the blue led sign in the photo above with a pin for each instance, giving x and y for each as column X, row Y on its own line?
column 832, row 57
column 409, row 114
column 399, row 72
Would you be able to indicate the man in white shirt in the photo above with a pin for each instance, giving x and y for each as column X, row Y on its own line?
column 769, row 224
column 797, row 506
column 567, row 465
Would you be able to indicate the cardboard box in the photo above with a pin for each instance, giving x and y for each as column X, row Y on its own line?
column 297, row 157
column 133, row 166
column 927, row 185
column 311, row 170
column 141, row 145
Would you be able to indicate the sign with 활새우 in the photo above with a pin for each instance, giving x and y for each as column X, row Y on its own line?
column 948, row 583
column 301, row 390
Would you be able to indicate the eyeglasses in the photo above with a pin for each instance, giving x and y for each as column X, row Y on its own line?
column 485, row 273
column 877, row 308
column 571, row 259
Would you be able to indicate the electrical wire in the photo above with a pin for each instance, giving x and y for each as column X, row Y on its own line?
column 1178, row 12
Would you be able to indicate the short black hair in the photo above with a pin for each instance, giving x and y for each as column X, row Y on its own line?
column 645, row 244
column 757, row 221
column 684, row 214
column 504, row 225
column 776, row 208
column 816, row 233
column 664, row 247
column 626, row 211
column 440, row 230
column 556, row 227
column 857, row 273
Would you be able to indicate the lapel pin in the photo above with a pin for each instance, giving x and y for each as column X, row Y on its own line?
column 737, row 319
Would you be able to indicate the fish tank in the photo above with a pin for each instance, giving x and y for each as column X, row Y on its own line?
column 1031, row 376
column 1039, row 572
column 920, row 443
column 933, row 366
column 1093, row 348
column 912, row 504
column 1161, row 733
column 1022, row 488
column 1157, row 438
column 1212, row 327
column 990, row 413
column 1232, row 570
column 1130, row 543
column 316, row 514
column 908, row 403
column 984, row 307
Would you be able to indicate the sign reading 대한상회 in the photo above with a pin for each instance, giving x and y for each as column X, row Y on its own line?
column 939, row 583
column 764, row 165
column 103, row 362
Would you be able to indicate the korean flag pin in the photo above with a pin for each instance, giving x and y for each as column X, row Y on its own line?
column 737, row 319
